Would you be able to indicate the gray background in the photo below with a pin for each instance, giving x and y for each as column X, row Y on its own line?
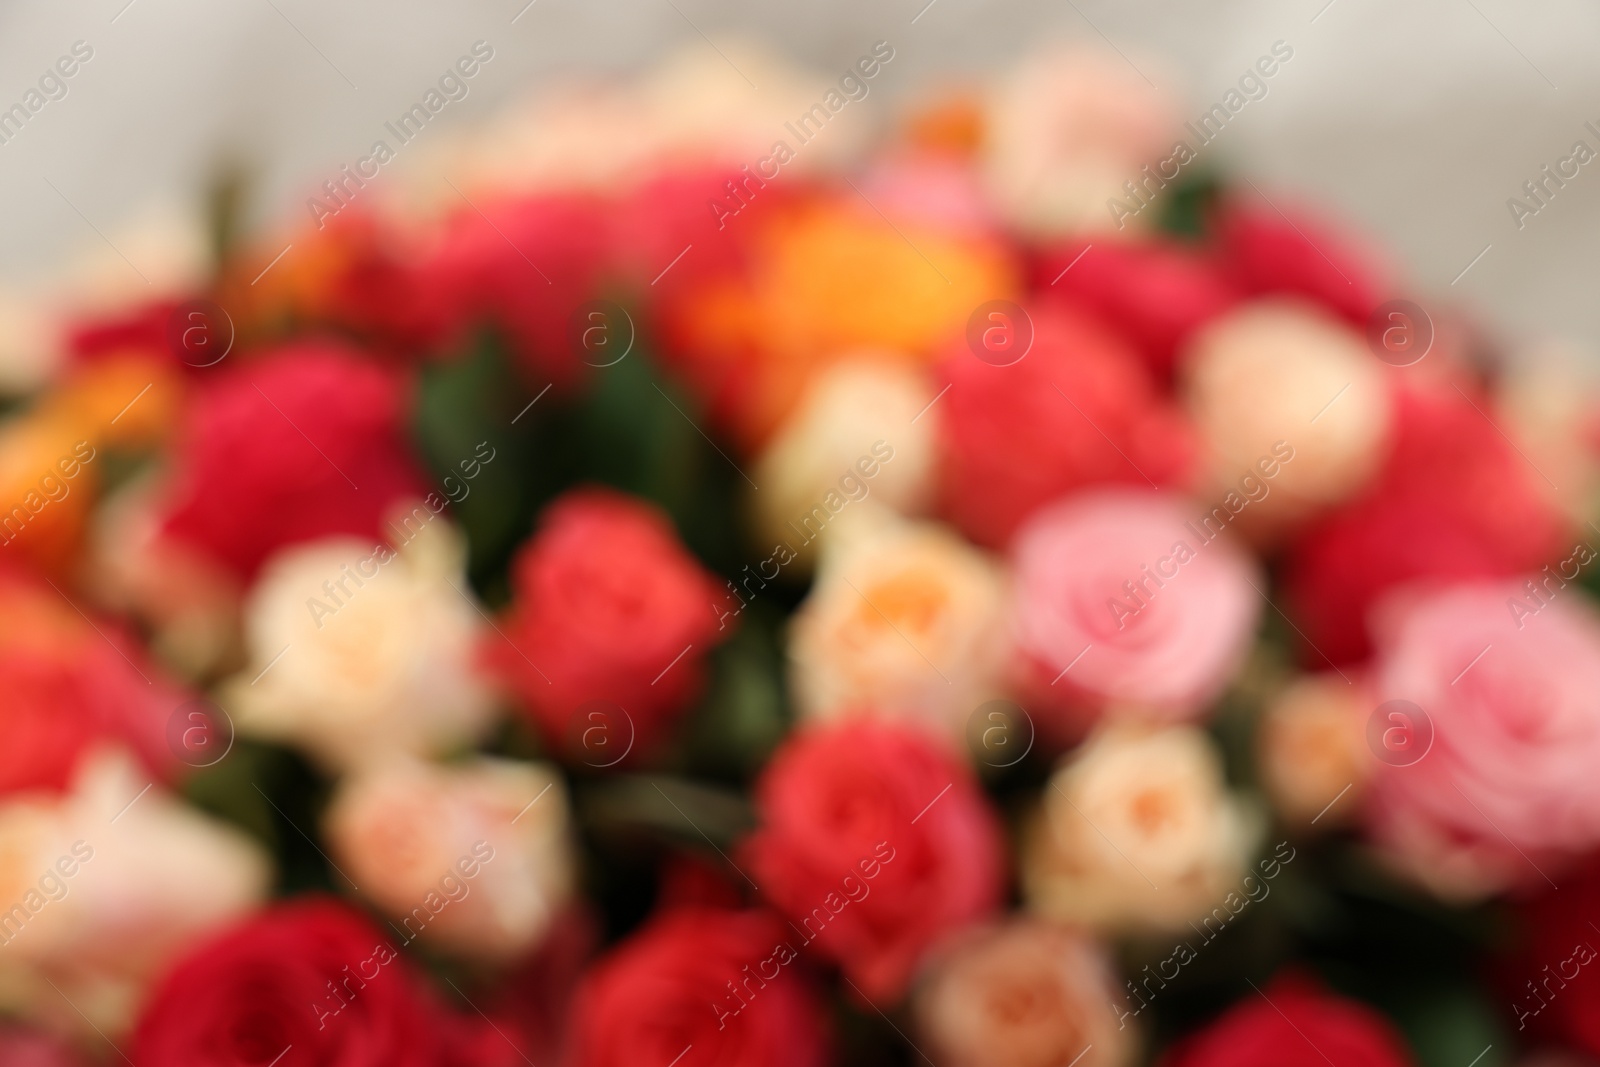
column 1416, row 121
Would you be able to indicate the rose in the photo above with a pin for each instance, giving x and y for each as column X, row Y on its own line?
column 1282, row 371
column 696, row 987
column 1137, row 831
column 609, row 606
column 1156, row 292
column 301, row 443
column 1266, row 252
column 310, row 975
column 1122, row 606
column 1508, row 790
column 1279, row 1024
column 474, row 858
column 358, row 651
column 1453, row 501
column 1551, row 979
column 904, row 621
column 876, row 843
column 21, row 1047
column 1024, row 994
column 1312, row 748
column 1078, row 409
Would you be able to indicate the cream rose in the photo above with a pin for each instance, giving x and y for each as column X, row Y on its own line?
column 1312, row 750
column 1022, row 994
column 358, row 651
column 906, row 621
column 1284, row 371
column 475, row 859
column 1136, row 831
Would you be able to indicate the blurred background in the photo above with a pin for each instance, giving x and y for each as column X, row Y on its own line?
column 1414, row 122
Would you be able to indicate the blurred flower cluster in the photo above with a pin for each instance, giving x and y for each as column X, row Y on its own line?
column 548, row 615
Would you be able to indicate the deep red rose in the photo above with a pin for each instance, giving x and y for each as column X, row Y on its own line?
column 1453, row 501
column 1269, row 253
column 876, row 843
column 697, row 987
column 69, row 687
column 1155, row 293
column 1293, row 1021
column 305, row 442
column 610, row 611
column 1078, row 409
column 525, row 265
column 312, row 981
column 1553, row 979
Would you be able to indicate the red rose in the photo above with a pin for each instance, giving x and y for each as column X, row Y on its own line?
column 1155, row 293
column 525, row 266
column 609, row 607
column 696, row 987
column 1453, row 501
column 68, row 688
column 876, row 843
column 1293, row 1021
column 311, row 981
column 1078, row 409
column 304, row 443
column 1553, row 981
column 1268, row 253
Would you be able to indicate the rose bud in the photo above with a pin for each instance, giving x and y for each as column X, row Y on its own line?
column 1022, row 994
column 876, row 843
column 1312, row 747
column 1124, row 605
column 1499, row 787
column 473, row 858
column 311, row 975
column 1291, row 398
column 303, row 442
column 1293, row 1020
column 905, row 621
column 608, row 607
column 697, row 987
column 1081, row 407
column 360, row 650
column 1180, row 839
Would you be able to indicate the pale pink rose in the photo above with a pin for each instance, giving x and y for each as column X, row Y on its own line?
column 358, row 651
column 1063, row 133
column 103, row 887
column 1136, row 831
column 1122, row 606
column 1508, row 789
column 1312, row 750
column 1023, row 993
column 475, row 859
column 1286, row 395
column 906, row 621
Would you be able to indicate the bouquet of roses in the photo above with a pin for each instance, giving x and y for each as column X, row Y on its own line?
column 666, row 580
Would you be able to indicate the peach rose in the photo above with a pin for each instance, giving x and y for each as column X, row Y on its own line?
column 474, row 858
column 1312, row 748
column 103, row 887
column 1136, row 831
column 1066, row 130
column 826, row 447
column 1121, row 605
column 1022, row 994
column 1510, row 696
column 906, row 621
column 1284, row 371
column 358, row 650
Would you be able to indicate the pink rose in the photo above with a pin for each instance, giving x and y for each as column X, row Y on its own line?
column 1121, row 601
column 1511, row 688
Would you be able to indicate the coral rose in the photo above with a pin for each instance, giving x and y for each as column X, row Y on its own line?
column 1507, row 790
column 1293, row 1020
column 1023, row 994
column 875, row 843
column 609, row 606
column 472, row 858
column 1123, row 605
column 1136, row 831
column 1078, row 409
